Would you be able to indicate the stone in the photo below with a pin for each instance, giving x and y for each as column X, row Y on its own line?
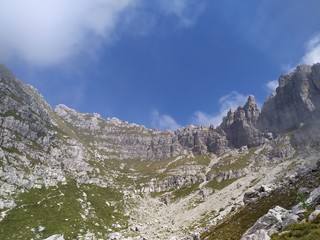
column 251, row 197
column 259, row 235
column 303, row 190
column 55, row 237
column 313, row 215
column 115, row 236
column 275, row 220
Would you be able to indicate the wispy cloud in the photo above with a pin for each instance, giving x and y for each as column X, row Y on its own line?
column 230, row 101
column 187, row 11
column 163, row 122
column 272, row 85
column 312, row 54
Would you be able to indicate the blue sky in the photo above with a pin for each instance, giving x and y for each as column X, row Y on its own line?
column 159, row 63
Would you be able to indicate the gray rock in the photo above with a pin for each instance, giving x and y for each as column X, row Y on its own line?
column 251, row 196
column 303, row 190
column 297, row 101
column 275, row 220
column 55, row 237
column 258, row 235
column 239, row 126
column 313, row 215
column 115, row 236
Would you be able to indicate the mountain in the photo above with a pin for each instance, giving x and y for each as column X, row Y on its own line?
column 71, row 175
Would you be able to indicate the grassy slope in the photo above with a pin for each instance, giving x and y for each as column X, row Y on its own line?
column 59, row 211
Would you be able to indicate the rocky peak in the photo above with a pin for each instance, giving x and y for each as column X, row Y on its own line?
column 251, row 110
column 297, row 101
column 239, row 125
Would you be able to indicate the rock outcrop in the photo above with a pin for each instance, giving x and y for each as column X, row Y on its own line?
column 278, row 218
column 270, row 223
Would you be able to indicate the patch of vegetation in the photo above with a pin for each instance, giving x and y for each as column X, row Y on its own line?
column 59, row 210
column 184, row 191
column 12, row 150
column 214, row 184
column 292, row 165
column 303, row 231
column 254, row 181
column 234, row 162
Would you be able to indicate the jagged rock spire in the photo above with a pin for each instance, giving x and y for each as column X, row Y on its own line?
column 240, row 125
column 251, row 110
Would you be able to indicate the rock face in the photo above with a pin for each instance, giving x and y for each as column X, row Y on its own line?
column 240, row 125
column 296, row 102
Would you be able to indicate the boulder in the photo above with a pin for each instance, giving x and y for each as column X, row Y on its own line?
column 275, row 220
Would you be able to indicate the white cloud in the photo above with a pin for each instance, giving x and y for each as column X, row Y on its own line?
column 272, row 85
column 230, row 101
column 163, row 122
column 48, row 31
column 312, row 54
column 186, row 10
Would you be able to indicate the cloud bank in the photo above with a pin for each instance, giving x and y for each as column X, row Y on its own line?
column 48, row 31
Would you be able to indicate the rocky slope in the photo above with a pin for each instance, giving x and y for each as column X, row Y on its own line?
column 71, row 175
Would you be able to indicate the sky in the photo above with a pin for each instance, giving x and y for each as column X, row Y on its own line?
column 161, row 63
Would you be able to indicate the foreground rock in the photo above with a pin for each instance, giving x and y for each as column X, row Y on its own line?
column 278, row 218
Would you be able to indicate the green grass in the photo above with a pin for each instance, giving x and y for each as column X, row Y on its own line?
column 214, row 184
column 303, row 231
column 58, row 210
column 234, row 163
column 184, row 191
column 12, row 150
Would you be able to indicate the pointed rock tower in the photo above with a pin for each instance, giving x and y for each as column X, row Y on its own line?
column 240, row 125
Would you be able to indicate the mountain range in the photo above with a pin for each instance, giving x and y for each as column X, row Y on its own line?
column 71, row 175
